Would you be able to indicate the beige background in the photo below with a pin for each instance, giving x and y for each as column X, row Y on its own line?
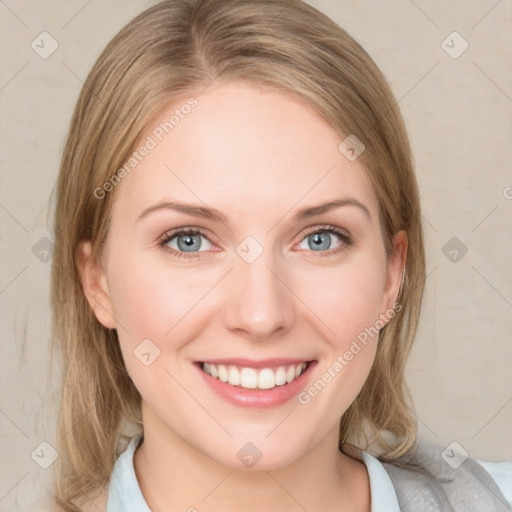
column 458, row 112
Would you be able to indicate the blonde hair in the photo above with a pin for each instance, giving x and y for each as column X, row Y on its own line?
column 171, row 50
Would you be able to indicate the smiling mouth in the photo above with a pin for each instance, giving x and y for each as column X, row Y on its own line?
column 255, row 378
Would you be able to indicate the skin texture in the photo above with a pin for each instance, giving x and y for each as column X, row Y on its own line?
column 258, row 156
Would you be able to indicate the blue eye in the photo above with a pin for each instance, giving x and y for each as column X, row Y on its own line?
column 320, row 240
column 185, row 241
column 189, row 242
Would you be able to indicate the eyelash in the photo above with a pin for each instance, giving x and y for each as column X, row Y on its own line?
column 167, row 237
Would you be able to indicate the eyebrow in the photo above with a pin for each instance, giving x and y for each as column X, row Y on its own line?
column 216, row 215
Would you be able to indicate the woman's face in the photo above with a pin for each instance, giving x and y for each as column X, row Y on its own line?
column 262, row 287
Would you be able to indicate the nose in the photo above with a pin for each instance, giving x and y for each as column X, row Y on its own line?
column 258, row 303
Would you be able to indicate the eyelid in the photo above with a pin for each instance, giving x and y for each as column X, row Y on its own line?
column 187, row 230
column 325, row 227
column 343, row 234
column 346, row 240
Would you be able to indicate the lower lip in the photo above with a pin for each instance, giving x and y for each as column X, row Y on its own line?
column 257, row 398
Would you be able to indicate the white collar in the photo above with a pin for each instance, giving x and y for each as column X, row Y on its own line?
column 124, row 494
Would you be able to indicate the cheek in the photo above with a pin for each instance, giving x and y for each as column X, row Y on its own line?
column 152, row 305
column 150, row 297
column 346, row 297
column 347, row 300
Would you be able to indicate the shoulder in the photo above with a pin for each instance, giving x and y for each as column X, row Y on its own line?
column 431, row 477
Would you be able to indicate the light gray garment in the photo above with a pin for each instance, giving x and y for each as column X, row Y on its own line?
column 425, row 482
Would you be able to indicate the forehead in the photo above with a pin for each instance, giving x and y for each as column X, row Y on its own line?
column 245, row 147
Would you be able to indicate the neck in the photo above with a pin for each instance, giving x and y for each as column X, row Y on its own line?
column 173, row 475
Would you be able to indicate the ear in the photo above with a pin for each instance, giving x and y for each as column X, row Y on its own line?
column 94, row 285
column 395, row 270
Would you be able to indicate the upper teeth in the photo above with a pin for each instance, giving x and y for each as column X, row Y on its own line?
column 265, row 378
